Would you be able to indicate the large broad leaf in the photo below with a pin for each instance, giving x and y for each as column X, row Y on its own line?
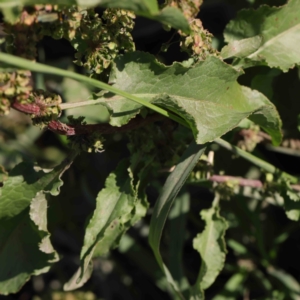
column 147, row 8
column 278, row 28
column 118, row 206
column 25, row 248
column 166, row 198
column 207, row 95
column 211, row 246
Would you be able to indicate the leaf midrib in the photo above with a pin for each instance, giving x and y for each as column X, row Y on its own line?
column 176, row 97
column 273, row 40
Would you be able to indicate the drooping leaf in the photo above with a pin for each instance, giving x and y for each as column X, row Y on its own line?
column 147, row 8
column 279, row 28
column 211, row 246
column 207, row 95
column 165, row 200
column 25, row 248
column 38, row 214
column 118, row 206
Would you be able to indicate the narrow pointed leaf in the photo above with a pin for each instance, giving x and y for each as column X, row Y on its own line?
column 207, row 96
column 211, row 246
column 290, row 284
column 165, row 200
column 23, row 229
column 279, row 28
column 177, row 221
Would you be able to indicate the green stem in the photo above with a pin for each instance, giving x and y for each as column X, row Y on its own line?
column 79, row 104
column 37, row 67
column 255, row 160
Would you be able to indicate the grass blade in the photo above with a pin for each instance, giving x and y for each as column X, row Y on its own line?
column 162, row 207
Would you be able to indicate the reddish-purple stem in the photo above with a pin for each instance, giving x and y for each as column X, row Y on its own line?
column 67, row 129
column 28, row 108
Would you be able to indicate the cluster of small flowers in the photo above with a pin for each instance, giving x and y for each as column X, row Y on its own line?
column 198, row 44
column 14, row 85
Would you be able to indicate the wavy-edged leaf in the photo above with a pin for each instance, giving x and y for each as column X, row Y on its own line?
column 25, row 248
column 165, row 200
column 147, row 8
column 38, row 214
column 207, row 95
column 279, row 28
column 211, row 246
column 118, row 206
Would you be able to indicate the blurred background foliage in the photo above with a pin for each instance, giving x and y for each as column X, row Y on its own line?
column 263, row 245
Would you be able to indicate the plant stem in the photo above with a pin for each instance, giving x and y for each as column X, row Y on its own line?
column 37, row 67
column 79, row 104
column 255, row 160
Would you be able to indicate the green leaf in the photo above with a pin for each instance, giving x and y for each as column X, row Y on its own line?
column 138, row 6
column 38, row 214
column 11, row 14
column 263, row 82
column 211, row 246
column 24, row 239
column 241, row 48
column 37, row 67
column 290, row 284
column 279, row 28
column 173, row 17
column 291, row 204
column 177, row 224
column 211, row 79
column 73, row 92
column 233, row 287
column 118, row 206
column 144, row 259
column 207, row 96
column 147, row 8
column 165, row 200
